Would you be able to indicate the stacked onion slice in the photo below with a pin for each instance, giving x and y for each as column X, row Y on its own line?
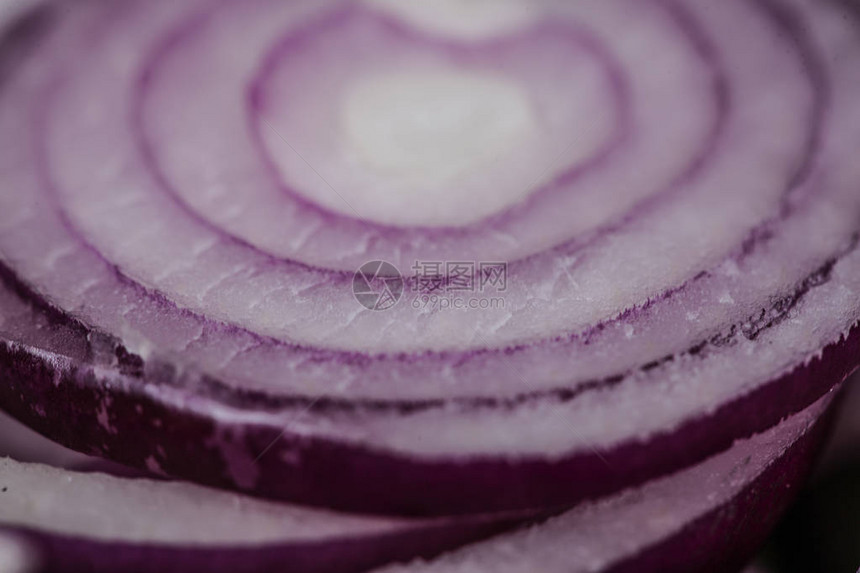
column 66, row 512
column 63, row 511
column 658, row 201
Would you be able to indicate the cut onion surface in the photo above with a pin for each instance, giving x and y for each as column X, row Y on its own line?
column 188, row 189
column 62, row 512
column 707, row 518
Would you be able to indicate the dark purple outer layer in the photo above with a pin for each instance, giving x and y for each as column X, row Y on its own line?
column 722, row 540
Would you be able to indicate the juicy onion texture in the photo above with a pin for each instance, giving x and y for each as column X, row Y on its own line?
column 75, row 521
column 67, row 512
column 188, row 187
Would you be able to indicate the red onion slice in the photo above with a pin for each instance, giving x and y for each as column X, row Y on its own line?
column 96, row 522
column 220, row 280
column 708, row 518
column 692, row 287
column 62, row 512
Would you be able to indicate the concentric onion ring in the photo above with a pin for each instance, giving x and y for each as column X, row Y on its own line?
column 692, row 284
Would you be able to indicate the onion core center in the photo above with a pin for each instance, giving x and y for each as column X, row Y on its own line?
column 426, row 127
